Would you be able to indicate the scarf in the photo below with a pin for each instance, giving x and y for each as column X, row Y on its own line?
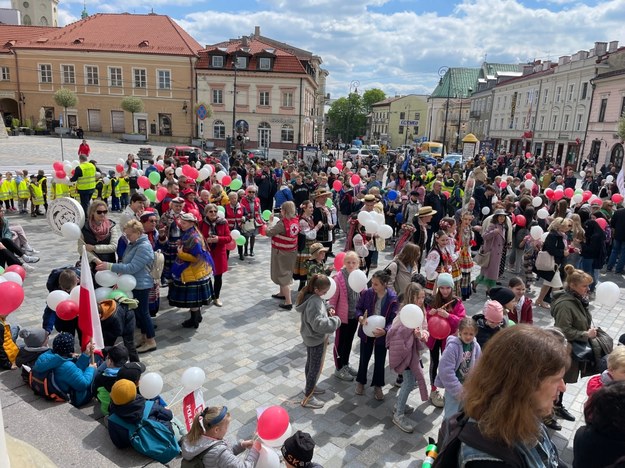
column 583, row 299
column 102, row 230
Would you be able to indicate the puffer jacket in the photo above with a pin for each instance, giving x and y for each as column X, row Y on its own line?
column 218, row 453
column 450, row 361
column 137, row 261
column 71, row 377
column 8, row 348
column 366, row 303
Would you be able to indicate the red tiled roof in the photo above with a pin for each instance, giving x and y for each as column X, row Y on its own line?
column 12, row 35
column 122, row 33
column 285, row 60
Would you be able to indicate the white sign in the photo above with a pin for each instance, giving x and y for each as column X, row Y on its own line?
column 64, row 210
column 408, row 123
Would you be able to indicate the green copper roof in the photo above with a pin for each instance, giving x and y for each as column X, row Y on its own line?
column 457, row 81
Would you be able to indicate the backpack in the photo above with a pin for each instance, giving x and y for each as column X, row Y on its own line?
column 150, row 438
column 195, row 462
column 459, row 429
column 44, row 385
column 157, row 265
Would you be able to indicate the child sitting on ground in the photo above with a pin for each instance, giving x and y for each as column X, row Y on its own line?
column 64, row 279
column 8, row 348
column 489, row 322
column 35, row 344
column 614, row 373
column 522, row 311
column 298, row 451
column 106, row 375
column 460, row 355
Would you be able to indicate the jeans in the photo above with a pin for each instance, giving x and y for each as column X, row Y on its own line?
column 407, row 386
column 452, row 406
column 85, row 199
column 588, row 268
column 142, row 312
column 618, row 253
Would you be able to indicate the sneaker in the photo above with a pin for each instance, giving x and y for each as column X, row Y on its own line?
column 312, row 403
column 29, row 250
column 399, row 381
column 360, row 389
column 30, row 259
column 319, row 391
column 400, row 421
column 352, row 371
column 378, row 394
column 28, row 267
column 437, row 399
column 343, row 374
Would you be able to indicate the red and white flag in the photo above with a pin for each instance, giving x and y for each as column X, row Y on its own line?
column 192, row 404
column 88, row 316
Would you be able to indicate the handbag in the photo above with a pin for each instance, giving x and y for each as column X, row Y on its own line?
column 545, row 261
column 249, row 225
column 581, row 351
column 482, row 258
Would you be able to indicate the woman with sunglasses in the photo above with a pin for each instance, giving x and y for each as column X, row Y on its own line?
column 217, row 235
column 99, row 235
column 205, row 442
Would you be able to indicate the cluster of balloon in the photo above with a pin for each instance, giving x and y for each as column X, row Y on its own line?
column 11, row 291
column 273, row 429
column 64, row 304
column 608, row 294
column 374, row 223
column 237, row 237
column 114, row 286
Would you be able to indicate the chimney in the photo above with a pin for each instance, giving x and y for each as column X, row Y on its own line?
column 527, row 69
column 601, row 48
column 256, row 31
column 546, row 65
column 613, row 46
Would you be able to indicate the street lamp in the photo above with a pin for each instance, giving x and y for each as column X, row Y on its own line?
column 442, row 71
column 354, row 84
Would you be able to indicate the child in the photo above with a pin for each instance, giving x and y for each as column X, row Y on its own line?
column 489, row 322
column 344, row 303
column 205, row 442
column 117, row 320
column 115, row 205
column 35, row 344
column 8, row 348
column 448, row 225
column 298, row 451
column 405, row 346
column 36, row 196
column 123, row 188
column 447, row 306
column 106, row 375
column 531, row 247
column 317, row 321
column 614, row 373
column 522, row 310
column 505, row 296
column 460, row 355
column 316, row 263
column 64, row 279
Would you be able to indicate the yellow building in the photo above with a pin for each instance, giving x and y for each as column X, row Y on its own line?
column 102, row 58
column 398, row 121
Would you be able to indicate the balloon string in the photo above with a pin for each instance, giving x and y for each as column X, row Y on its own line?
column 174, row 401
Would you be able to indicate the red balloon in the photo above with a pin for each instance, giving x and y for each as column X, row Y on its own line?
column 520, row 220
column 355, row 179
column 549, row 193
column 12, row 296
column 558, row 195
column 19, row 269
column 337, row 185
column 186, row 170
column 144, row 182
column 446, row 193
column 194, row 173
column 67, row 310
column 159, row 167
column 60, row 174
column 439, row 327
column 226, row 180
column 503, row 184
column 338, row 261
column 602, row 222
column 232, row 245
column 161, row 193
column 119, row 168
column 135, row 165
column 528, row 176
column 528, row 155
column 273, row 423
column 262, row 230
column 569, row 192
column 617, row 198
column 586, row 195
column 339, row 164
column 57, row 166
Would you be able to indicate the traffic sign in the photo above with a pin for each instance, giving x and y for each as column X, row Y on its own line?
column 201, row 112
column 242, row 126
column 408, row 123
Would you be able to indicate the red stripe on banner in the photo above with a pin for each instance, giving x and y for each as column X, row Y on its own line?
column 84, row 316
column 192, row 404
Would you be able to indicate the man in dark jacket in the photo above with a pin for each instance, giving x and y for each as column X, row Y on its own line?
column 266, row 188
column 617, row 256
column 438, row 202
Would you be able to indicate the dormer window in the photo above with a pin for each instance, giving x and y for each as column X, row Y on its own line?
column 264, row 63
column 240, row 62
column 217, row 61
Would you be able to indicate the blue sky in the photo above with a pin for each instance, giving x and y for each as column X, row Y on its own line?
column 395, row 45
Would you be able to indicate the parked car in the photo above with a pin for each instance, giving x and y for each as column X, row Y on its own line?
column 262, row 153
column 181, row 153
column 452, row 159
column 428, row 158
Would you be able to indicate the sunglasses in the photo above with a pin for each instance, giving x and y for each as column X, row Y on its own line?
column 102, row 212
column 212, row 211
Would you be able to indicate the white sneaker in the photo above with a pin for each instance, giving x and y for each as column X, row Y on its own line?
column 312, row 403
column 29, row 250
column 343, row 374
column 30, row 259
column 437, row 399
column 28, row 267
column 400, row 421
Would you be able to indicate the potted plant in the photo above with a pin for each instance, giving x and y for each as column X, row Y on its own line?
column 133, row 105
column 15, row 126
column 28, row 127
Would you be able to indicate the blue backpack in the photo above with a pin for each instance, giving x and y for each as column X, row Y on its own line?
column 150, row 438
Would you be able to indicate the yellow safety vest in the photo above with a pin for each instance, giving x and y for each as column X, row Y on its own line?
column 87, row 181
column 22, row 190
column 60, row 190
column 36, row 193
column 106, row 190
column 73, row 192
column 95, row 193
column 4, row 192
column 122, row 186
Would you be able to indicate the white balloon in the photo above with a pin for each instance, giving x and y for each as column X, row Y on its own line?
column 411, row 316
column 220, row 175
column 582, row 174
column 536, row 202
column 373, row 322
column 15, row 278
column 67, row 166
column 332, row 291
column 609, row 179
column 221, row 214
column 139, row 172
column 204, row 173
column 106, row 180
column 577, row 198
column 363, row 217
column 335, row 170
column 192, row 379
column 209, row 168
column 378, row 217
column 267, row 458
column 362, row 251
column 74, row 294
column 150, row 385
column 385, row 231
column 485, row 210
column 495, row 199
column 371, row 227
column 275, row 443
column 75, row 164
column 178, row 171
column 357, row 280
column 544, row 237
column 71, row 231
column 102, row 294
column 54, row 298
column 536, row 232
column 363, row 172
column 607, row 293
column 542, row 213
column 198, row 164
column 235, row 233
column 560, row 187
column 529, row 184
column 349, row 164
column 106, row 278
column 2, row 279
column 121, row 161
column 126, row 283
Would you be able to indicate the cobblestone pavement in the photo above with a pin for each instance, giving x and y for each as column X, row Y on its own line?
column 253, row 356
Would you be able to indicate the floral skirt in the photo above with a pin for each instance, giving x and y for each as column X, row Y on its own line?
column 300, row 272
column 190, row 295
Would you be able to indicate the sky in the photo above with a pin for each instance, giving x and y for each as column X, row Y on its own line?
column 395, row 45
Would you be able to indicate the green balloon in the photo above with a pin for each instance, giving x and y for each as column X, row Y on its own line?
column 329, row 203
column 222, row 209
column 240, row 240
column 266, row 215
column 511, row 323
column 236, row 184
column 117, row 294
column 155, row 178
column 1, row 270
column 579, row 191
column 150, row 194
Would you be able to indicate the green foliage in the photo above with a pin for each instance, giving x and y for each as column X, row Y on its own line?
column 621, row 128
column 65, row 98
column 132, row 104
column 15, row 123
column 371, row 96
column 28, row 123
column 347, row 118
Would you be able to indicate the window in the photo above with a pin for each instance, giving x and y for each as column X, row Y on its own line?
column 4, row 74
column 45, row 73
column 164, row 79
column 570, row 93
column 558, row 92
column 417, row 115
column 92, row 76
column 554, row 122
column 240, row 62
column 219, row 129
column 264, row 63
column 498, row 101
column 402, row 116
column 566, row 122
column 604, row 105
column 527, row 98
column 542, row 123
column 287, row 133
column 401, row 129
column 217, row 61
column 545, row 96
column 68, row 74
column 26, row 21
column 584, row 90
column 218, row 96
column 115, row 77
column 578, row 123
column 622, row 112
column 263, row 98
column 140, row 78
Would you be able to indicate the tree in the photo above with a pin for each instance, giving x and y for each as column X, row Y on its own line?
column 621, row 127
column 65, row 98
column 132, row 104
column 371, row 96
column 347, row 118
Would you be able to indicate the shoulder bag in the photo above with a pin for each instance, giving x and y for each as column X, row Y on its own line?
column 545, row 261
column 482, row 259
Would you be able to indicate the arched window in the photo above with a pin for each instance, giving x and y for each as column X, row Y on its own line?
column 616, row 157
column 219, row 129
column 26, row 21
column 43, row 21
column 287, row 133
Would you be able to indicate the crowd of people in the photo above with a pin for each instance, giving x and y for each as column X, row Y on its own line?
column 520, row 219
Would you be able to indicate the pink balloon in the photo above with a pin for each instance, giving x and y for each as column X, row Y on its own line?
column 520, row 220
column 503, row 184
column 187, row 170
column 602, row 222
column 232, row 245
column 558, row 195
column 60, row 174
column 57, row 166
column 569, row 192
column 19, row 269
column 355, row 179
column 144, row 182
column 161, row 193
column 194, row 173
column 226, row 180
column 549, row 193
column 528, row 176
column 12, row 296
column 339, row 164
column 273, row 423
column 617, row 198
column 338, row 261
column 597, row 201
column 337, row 185
column 586, row 195
column 159, row 167
column 119, row 168
column 439, row 327
column 135, row 165
column 67, row 310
